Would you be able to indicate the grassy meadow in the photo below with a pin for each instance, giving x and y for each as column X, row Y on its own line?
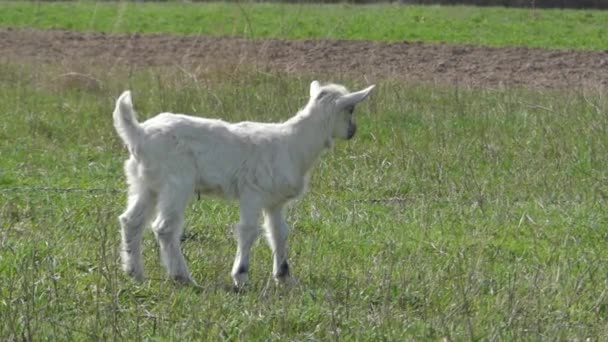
column 456, row 213
column 493, row 26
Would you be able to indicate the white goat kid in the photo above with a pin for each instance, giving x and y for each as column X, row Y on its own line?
column 262, row 165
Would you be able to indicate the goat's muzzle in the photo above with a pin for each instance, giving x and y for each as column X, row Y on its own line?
column 352, row 129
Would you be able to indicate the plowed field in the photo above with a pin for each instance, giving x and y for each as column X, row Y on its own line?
column 411, row 61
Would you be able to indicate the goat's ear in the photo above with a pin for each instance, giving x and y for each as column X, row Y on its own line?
column 314, row 88
column 352, row 99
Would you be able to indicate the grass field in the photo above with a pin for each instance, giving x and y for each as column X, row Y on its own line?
column 460, row 213
column 576, row 29
column 455, row 213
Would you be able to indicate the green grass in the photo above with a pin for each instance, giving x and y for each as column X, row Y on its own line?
column 498, row 233
column 572, row 29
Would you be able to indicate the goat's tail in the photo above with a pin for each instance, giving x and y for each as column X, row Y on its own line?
column 125, row 122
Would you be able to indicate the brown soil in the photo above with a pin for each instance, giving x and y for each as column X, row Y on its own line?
column 465, row 65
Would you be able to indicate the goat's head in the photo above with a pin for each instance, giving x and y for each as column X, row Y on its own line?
column 338, row 104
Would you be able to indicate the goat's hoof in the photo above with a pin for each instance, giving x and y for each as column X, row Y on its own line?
column 138, row 277
column 287, row 281
column 282, row 275
column 240, row 280
column 239, row 289
column 185, row 280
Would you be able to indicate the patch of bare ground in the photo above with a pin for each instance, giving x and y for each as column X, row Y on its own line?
column 449, row 64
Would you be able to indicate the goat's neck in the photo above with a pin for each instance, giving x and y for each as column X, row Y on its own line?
column 310, row 136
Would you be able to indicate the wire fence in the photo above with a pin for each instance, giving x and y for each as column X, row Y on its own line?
column 58, row 189
column 97, row 191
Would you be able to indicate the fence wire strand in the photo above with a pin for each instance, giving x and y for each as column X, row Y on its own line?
column 79, row 190
column 58, row 189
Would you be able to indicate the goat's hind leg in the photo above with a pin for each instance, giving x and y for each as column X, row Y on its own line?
column 168, row 227
column 140, row 208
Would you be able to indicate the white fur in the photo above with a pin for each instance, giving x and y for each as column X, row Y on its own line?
column 262, row 165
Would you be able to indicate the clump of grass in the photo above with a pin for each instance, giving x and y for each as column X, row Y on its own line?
column 456, row 213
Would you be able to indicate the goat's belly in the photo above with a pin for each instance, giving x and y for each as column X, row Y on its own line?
column 215, row 190
column 288, row 191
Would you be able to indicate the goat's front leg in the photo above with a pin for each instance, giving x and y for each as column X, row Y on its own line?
column 277, row 231
column 245, row 233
